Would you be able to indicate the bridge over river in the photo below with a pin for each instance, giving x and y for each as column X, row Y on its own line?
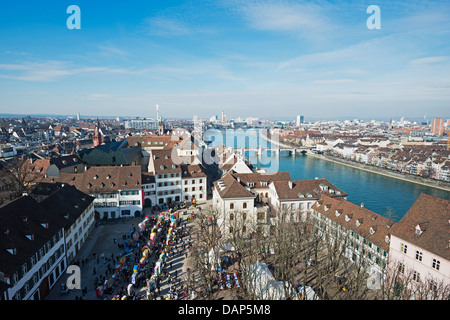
column 273, row 150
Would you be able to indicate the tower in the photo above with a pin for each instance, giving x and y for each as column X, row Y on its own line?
column 97, row 138
column 161, row 127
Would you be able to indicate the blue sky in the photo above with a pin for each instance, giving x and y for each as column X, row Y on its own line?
column 267, row 59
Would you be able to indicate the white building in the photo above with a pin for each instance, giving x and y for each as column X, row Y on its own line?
column 193, row 184
column 78, row 209
column 294, row 199
column 35, row 251
column 167, row 176
column 361, row 234
column 117, row 190
column 235, row 206
column 7, row 150
column 149, row 189
column 419, row 249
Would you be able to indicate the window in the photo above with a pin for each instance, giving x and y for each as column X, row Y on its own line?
column 401, row 268
column 404, row 248
column 436, row 264
column 244, row 205
column 232, row 206
column 419, row 255
column 244, row 215
column 416, row 276
column 433, row 286
column 231, row 216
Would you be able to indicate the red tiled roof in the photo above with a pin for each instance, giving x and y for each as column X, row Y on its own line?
column 434, row 213
column 372, row 226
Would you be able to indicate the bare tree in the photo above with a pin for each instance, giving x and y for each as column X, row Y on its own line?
column 20, row 176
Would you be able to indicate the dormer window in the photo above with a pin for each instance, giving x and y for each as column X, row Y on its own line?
column 161, row 167
column 174, row 166
column 386, row 239
column 30, row 236
column 372, row 230
column 418, row 231
column 358, row 222
column 338, row 213
column 95, row 177
column 108, row 176
column 12, row 251
column 45, row 225
column 420, row 228
column 326, row 207
column 347, row 218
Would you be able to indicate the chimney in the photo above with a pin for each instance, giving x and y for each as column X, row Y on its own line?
column 362, row 204
column 290, row 184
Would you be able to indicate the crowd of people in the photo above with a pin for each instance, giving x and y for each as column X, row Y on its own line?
column 144, row 268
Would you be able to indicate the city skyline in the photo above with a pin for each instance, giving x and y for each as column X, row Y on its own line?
column 270, row 59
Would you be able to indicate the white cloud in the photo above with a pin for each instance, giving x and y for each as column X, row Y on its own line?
column 428, row 60
column 300, row 18
column 48, row 71
column 161, row 26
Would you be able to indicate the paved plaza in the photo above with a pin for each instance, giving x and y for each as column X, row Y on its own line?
column 102, row 248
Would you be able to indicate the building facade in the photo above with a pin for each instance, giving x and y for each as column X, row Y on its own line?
column 419, row 255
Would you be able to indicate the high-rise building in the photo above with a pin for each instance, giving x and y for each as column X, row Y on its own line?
column 300, row 120
column 437, row 126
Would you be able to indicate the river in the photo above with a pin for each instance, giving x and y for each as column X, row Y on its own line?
column 377, row 192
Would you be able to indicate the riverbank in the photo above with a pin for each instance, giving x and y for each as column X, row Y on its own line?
column 383, row 172
column 440, row 185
